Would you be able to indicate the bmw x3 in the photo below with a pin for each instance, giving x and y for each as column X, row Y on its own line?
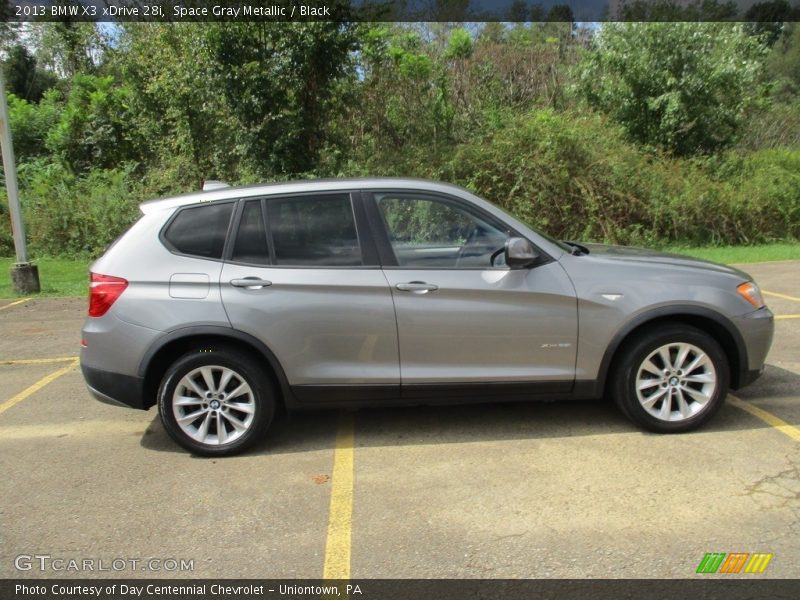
column 224, row 306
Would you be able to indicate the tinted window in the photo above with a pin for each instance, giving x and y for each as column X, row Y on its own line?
column 433, row 232
column 314, row 231
column 201, row 230
column 251, row 239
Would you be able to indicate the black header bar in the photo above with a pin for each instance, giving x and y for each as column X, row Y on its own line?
column 586, row 11
column 708, row 588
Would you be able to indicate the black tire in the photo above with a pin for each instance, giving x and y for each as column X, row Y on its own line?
column 261, row 399
column 675, row 337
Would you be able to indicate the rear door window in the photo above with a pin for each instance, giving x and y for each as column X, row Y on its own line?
column 317, row 230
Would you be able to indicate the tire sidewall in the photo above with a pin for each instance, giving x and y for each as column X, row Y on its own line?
column 263, row 395
column 625, row 384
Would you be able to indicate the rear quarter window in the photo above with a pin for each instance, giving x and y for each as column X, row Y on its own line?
column 200, row 230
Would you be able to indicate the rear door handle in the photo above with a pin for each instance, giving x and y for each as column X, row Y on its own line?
column 251, row 283
column 417, row 287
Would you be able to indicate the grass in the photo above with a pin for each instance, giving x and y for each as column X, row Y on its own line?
column 69, row 277
column 741, row 254
column 57, row 276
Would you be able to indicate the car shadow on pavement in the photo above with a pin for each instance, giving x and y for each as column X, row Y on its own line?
column 457, row 424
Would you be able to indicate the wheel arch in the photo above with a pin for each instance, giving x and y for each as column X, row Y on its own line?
column 164, row 351
column 711, row 322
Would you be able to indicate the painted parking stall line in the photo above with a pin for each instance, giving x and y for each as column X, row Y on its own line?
column 15, row 303
column 73, row 430
column 768, row 418
column 37, row 361
column 14, row 400
column 340, row 520
column 777, row 295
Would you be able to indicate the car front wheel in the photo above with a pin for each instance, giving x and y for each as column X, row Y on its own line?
column 216, row 402
column 671, row 379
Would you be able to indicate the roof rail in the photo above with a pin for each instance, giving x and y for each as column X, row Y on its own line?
column 213, row 184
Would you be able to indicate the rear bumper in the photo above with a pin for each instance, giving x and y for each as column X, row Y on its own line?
column 116, row 389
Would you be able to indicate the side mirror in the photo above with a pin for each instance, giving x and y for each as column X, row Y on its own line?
column 520, row 253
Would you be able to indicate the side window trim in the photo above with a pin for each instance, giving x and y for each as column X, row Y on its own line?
column 230, row 239
column 233, row 233
column 369, row 251
column 381, row 233
column 378, row 230
column 267, row 232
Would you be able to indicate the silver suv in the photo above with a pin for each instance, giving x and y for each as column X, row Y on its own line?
column 224, row 306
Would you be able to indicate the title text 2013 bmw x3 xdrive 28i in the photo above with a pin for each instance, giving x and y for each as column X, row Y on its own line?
column 222, row 305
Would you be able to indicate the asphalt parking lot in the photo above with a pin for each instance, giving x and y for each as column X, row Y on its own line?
column 535, row 490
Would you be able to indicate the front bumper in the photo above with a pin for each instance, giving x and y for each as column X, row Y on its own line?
column 116, row 389
column 756, row 329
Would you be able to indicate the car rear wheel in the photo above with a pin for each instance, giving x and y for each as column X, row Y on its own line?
column 216, row 402
column 671, row 379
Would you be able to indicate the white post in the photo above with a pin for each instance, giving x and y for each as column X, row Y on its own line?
column 25, row 276
column 10, row 169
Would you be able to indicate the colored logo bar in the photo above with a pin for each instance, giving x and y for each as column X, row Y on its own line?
column 734, row 562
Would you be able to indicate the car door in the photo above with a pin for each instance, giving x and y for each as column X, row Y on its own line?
column 463, row 317
column 300, row 278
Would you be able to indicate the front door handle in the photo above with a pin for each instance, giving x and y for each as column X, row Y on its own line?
column 417, row 287
column 251, row 283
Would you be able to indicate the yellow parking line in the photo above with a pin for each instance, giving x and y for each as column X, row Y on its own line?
column 784, row 296
column 74, row 429
column 781, row 317
column 10, row 304
column 337, row 545
column 768, row 418
column 37, row 386
column 36, row 361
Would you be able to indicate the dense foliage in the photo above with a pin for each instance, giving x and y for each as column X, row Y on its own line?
column 629, row 133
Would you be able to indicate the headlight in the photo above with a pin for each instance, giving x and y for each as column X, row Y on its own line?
column 750, row 292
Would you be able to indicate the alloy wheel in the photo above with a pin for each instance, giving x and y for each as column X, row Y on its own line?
column 213, row 405
column 676, row 381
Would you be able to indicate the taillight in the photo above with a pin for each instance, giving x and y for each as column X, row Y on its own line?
column 103, row 292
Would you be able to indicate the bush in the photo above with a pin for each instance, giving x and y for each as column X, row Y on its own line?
column 30, row 123
column 94, row 127
column 684, row 87
column 69, row 215
column 577, row 177
column 775, row 126
column 6, row 241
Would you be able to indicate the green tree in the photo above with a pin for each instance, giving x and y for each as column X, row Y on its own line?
column 94, row 128
column 279, row 81
column 177, row 105
column 682, row 86
column 23, row 77
column 783, row 63
column 31, row 123
column 767, row 19
column 403, row 98
column 675, row 10
column 67, row 47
